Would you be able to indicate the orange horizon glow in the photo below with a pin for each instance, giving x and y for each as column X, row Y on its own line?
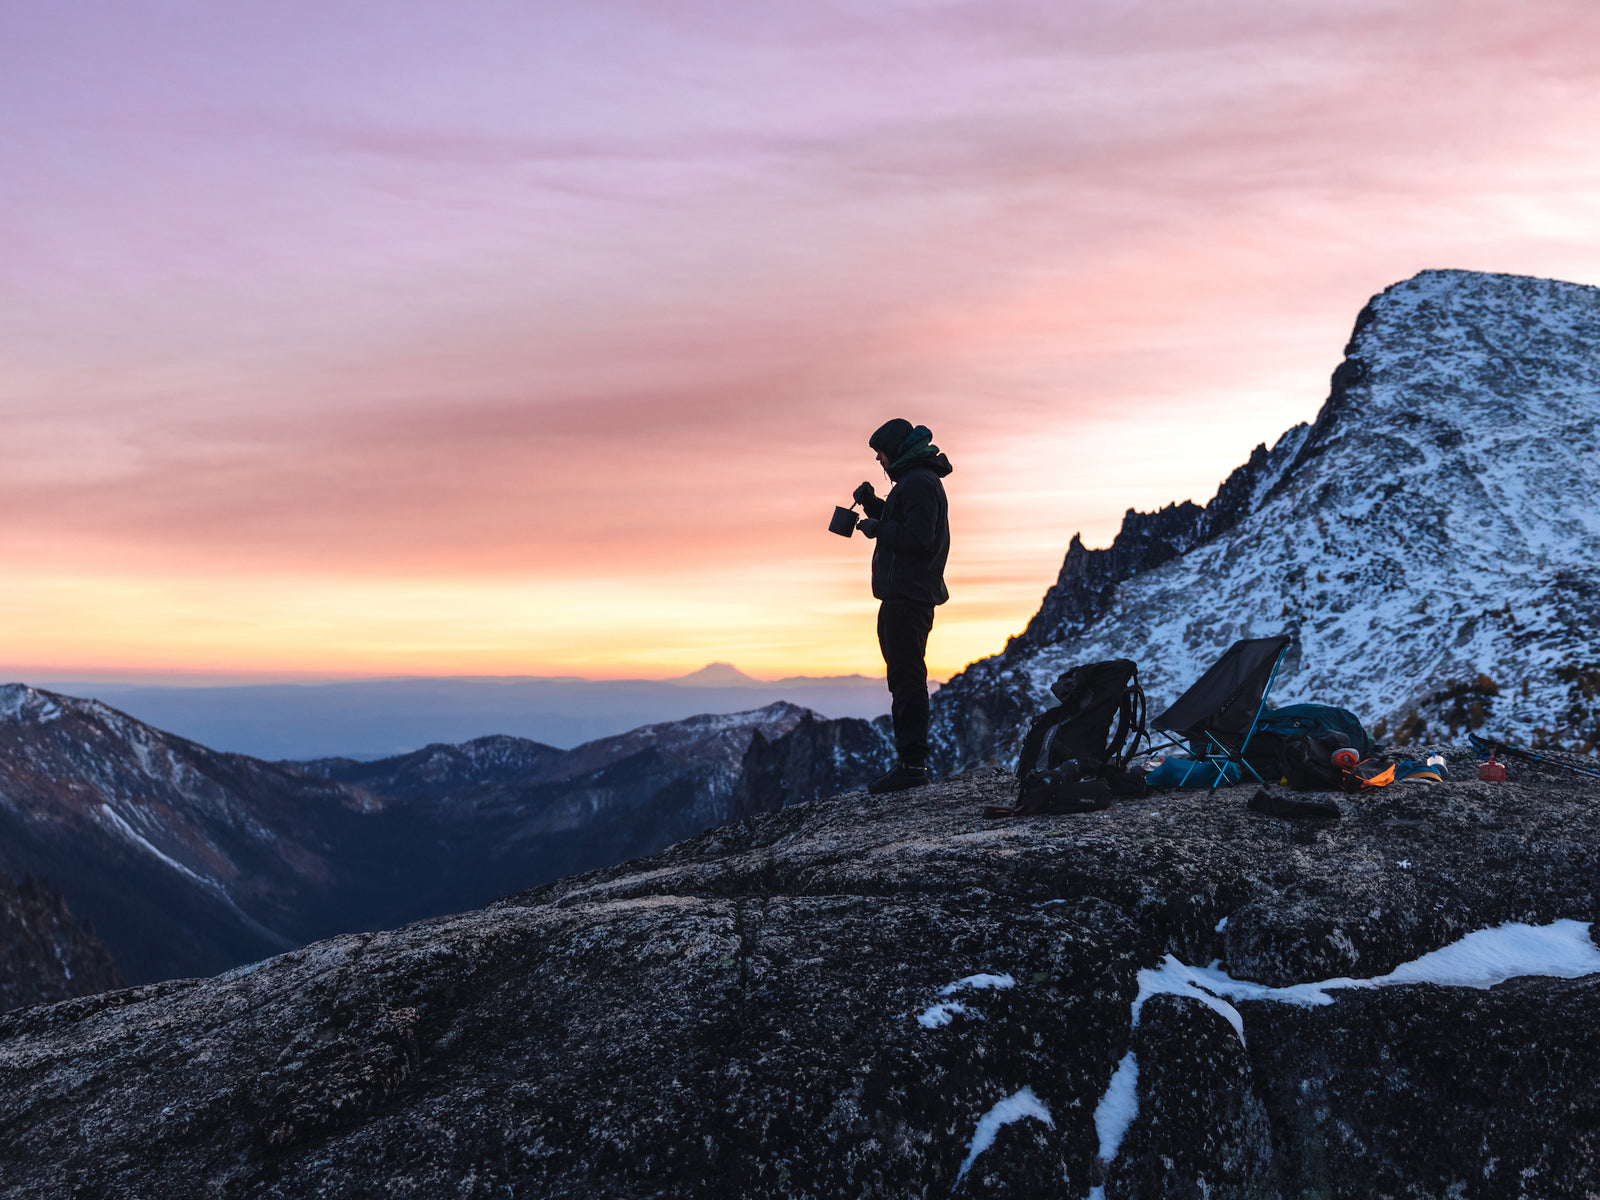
column 543, row 342
column 380, row 628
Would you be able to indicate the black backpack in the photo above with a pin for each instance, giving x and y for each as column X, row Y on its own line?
column 1308, row 764
column 1076, row 754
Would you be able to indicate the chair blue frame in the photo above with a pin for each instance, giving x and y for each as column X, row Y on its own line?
column 1216, row 753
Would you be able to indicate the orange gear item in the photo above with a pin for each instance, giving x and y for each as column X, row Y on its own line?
column 1382, row 779
column 1354, row 779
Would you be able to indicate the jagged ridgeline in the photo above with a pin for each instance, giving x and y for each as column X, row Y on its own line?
column 1432, row 540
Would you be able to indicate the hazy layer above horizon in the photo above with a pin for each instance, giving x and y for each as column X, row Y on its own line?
column 373, row 718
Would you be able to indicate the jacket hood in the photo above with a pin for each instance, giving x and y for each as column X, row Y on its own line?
column 935, row 462
column 918, row 450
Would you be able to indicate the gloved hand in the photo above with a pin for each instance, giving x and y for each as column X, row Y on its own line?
column 868, row 526
column 863, row 493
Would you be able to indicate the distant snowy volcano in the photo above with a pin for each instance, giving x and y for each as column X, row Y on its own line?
column 1432, row 540
column 717, row 674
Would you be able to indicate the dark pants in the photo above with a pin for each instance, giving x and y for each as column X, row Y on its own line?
column 903, row 637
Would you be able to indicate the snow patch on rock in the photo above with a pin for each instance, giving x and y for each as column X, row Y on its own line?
column 1021, row 1105
column 1562, row 949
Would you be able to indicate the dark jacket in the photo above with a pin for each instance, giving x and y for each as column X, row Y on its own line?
column 913, row 534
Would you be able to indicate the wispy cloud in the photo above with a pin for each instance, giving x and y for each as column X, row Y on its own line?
column 494, row 292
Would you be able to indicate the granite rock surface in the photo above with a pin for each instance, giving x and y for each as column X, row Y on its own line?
column 850, row 997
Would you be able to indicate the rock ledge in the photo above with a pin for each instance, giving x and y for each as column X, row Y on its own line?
column 739, row 1016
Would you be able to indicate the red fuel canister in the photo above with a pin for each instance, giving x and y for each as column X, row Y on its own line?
column 1492, row 771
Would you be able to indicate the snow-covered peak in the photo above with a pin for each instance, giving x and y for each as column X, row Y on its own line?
column 21, row 704
column 1433, row 543
column 708, row 738
column 717, row 674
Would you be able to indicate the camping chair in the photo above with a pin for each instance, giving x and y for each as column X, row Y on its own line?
column 1219, row 713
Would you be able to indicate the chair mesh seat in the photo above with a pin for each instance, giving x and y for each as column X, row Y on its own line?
column 1218, row 713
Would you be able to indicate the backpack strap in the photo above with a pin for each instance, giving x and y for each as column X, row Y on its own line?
column 1141, row 712
column 1040, row 734
column 1042, row 760
column 1130, row 719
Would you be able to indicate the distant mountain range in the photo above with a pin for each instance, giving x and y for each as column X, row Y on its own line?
column 375, row 718
column 188, row 861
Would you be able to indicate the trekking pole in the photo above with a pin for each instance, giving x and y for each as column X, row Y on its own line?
column 1494, row 747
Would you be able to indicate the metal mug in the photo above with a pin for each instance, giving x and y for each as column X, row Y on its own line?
column 843, row 523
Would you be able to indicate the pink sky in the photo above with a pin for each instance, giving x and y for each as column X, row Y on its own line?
column 532, row 338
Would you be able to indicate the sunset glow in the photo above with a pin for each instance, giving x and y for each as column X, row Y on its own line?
column 479, row 338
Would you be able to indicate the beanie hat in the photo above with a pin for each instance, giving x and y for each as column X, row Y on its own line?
column 890, row 436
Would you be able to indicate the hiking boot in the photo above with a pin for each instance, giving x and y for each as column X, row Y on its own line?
column 899, row 779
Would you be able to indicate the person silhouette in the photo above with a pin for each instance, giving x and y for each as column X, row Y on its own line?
column 910, row 529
